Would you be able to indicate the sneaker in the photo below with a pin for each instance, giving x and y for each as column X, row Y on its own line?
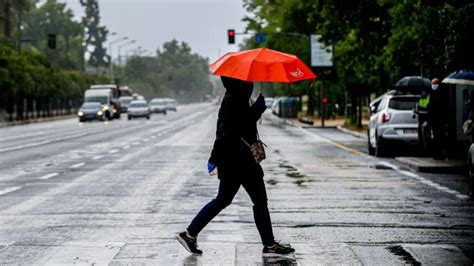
column 188, row 242
column 277, row 250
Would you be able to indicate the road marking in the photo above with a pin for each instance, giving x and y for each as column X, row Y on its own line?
column 153, row 137
column 389, row 165
column 9, row 190
column 113, row 151
column 425, row 181
column 135, row 143
column 146, row 140
column 340, row 146
column 98, row 157
column 77, row 165
column 48, row 176
column 126, row 147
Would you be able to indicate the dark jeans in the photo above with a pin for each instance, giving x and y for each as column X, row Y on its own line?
column 227, row 189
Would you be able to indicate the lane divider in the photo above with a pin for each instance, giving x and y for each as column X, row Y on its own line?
column 9, row 190
column 77, row 165
column 425, row 181
column 98, row 157
column 48, row 176
column 113, row 151
column 126, row 147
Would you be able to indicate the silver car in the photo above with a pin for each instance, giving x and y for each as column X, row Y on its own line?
column 392, row 122
column 158, row 105
column 138, row 108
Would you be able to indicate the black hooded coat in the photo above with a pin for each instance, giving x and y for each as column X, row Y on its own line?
column 237, row 120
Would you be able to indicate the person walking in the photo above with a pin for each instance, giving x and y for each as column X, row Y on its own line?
column 236, row 167
column 424, row 134
column 437, row 115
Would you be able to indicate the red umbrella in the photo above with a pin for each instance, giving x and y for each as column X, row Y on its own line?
column 262, row 65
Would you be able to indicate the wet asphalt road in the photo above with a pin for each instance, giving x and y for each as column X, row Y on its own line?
column 115, row 193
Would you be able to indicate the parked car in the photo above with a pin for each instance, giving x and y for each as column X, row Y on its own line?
column 392, row 121
column 91, row 111
column 158, row 105
column 125, row 102
column 269, row 102
column 138, row 108
column 276, row 106
column 171, row 104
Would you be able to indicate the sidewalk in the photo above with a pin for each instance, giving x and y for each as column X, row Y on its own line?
column 417, row 164
column 430, row 165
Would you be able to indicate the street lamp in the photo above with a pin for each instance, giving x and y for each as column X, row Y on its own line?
column 120, row 49
column 111, row 55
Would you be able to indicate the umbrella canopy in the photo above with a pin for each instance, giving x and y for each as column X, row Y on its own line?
column 262, row 65
column 460, row 77
column 413, row 82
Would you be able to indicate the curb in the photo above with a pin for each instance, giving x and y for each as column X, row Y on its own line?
column 455, row 168
column 352, row 132
column 39, row 120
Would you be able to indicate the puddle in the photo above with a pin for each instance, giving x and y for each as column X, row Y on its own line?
column 380, row 167
column 290, row 171
column 272, row 182
column 287, row 167
column 295, row 175
column 404, row 255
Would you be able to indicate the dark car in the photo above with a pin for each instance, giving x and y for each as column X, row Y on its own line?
column 91, row 111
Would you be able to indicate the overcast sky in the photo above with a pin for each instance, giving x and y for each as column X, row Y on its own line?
column 202, row 24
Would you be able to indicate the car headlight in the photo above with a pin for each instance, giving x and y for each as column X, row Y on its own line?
column 99, row 113
column 105, row 108
column 114, row 110
column 80, row 113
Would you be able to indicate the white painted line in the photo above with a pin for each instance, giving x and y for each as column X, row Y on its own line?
column 9, row 190
column 146, row 140
column 48, row 176
column 425, row 181
column 97, row 157
column 113, row 151
column 77, row 165
column 394, row 167
column 153, row 137
column 135, row 143
column 126, row 147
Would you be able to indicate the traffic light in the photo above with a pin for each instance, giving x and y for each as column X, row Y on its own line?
column 231, row 36
column 52, row 41
column 325, row 100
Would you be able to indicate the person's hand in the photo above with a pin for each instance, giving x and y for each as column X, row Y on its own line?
column 211, row 167
column 260, row 102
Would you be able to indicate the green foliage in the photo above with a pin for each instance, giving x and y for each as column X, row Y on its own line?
column 375, row 42
column 31, row 76
column 96, row 35
column 54, row 18
column 174, row 72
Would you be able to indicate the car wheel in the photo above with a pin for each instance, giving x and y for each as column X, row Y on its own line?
column 380, row 149
column 164, row 112
column 369, row 145
column 148, row 117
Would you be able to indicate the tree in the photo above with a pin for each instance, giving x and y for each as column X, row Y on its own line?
column 96, row 35
column 174, row 72
column 54, row 18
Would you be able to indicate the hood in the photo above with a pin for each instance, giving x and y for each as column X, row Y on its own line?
column 237, row 90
